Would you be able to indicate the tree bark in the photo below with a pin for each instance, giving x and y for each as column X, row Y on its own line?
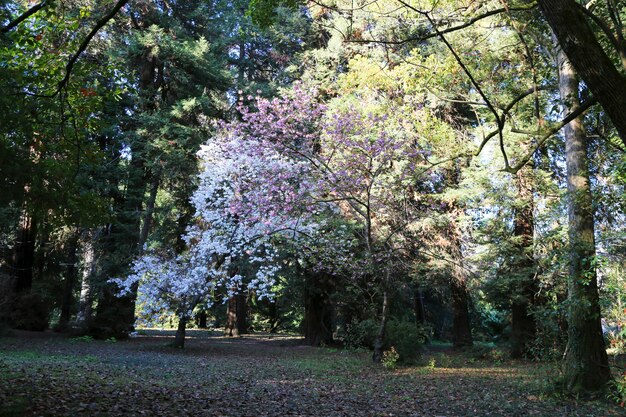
column 273, row 316
column 24, row 253
column 379, row 342
column 236, row 315
column 461, row 328
column 525, row 285
column 70, row 281
column 579, row 43
column 586, row 365
column 318, row 310
column 201, row 320
column 83, row 317
column 148, row 214
column 179, row 339
column 418, row 307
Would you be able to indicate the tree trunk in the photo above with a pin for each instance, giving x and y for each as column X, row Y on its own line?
column 24, row 253
column 83, row 317
column 579, row 43
column 418, row 307
column 273, row 316
column 318, row 313
column 179, row 339
column 379, row 343
column 201, row 319
column 461, row 329
column 70, row 281
column 236, row 315
column 525, row 285
column 586, row 365
column 148, row 214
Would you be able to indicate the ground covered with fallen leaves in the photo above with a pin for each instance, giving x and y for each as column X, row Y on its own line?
column 50, row 375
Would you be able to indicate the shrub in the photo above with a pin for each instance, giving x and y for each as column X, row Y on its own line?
column 31, row 312
column 390, row 358
column 617, row 390
column 407, row 338
column 361, row 334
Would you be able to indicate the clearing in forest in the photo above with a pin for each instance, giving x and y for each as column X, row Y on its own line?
column 44, row 375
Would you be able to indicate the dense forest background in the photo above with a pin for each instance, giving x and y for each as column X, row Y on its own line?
column 380, row 174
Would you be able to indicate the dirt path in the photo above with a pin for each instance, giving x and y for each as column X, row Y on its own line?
column 256, row 376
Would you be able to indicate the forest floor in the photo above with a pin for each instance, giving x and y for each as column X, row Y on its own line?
column 48, row 375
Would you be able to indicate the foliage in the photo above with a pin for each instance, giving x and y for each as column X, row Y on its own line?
column 404, row 337
column 390, row 358
column 31, row 312
column 618, row 390
column 360, row 334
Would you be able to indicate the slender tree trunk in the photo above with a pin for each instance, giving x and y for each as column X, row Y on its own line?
column 70, row 281
column 586, row 365
column 525, row 285
column 418, row 307
column 179, row 339
column 379, row 342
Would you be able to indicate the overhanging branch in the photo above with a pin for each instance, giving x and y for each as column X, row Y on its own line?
column 28, row 13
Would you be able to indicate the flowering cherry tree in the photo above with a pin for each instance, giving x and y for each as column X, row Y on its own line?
column 282, row 169
column 364, row 165
column 248, row 192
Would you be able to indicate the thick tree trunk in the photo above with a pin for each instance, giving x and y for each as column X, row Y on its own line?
column 525, row 285
column 578, row 41
column 179, row 339
column 461, row 329
column 274, row 317
column 83, row 317
column 201, row 320
column 148, row 214
column 24, row 253
column 70, row 281
column 318, row 312
column 236, row 315
column 586, row 365
column 379, row 342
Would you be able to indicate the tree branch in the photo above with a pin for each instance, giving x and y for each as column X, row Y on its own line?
column 83, row 45
column 573, row 115
column 28, row 13
column 431, row 35
column 619, row 47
